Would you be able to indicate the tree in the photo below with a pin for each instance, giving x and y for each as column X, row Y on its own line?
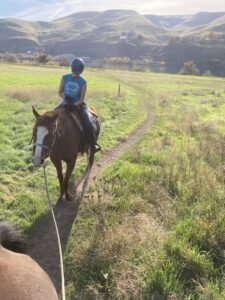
column 189, row 68
column 64, row 62
column 43, row 58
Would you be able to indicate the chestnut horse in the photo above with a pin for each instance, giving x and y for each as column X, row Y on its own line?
column 21, row 278
column 56, row 134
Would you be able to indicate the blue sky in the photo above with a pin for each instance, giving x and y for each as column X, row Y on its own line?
column 52, row 9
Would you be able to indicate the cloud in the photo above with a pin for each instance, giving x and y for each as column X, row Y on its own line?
column 52, row 9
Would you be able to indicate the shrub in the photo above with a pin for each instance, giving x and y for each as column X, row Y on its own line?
column 64, row 62
column 189, row 68
column 11, row 57
column 43, row 58
column 207, row 73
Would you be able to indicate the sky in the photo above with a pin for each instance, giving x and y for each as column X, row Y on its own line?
column 47, row 10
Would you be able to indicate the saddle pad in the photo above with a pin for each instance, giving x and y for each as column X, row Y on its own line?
column 93, row 111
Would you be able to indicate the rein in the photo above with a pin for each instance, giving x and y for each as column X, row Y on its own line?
column 50, row 148
column 57, row 234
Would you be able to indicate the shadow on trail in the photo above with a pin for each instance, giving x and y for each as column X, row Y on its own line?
column 43, row 239
column 43, row 243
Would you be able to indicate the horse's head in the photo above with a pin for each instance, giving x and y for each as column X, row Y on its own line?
column 44, row 134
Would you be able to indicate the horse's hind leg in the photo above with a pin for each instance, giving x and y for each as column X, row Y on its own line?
column 90, row 160
column 58, row 166
column 87, row 171
column 69, row 170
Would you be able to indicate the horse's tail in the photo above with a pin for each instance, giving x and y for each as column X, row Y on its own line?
column 12, row 238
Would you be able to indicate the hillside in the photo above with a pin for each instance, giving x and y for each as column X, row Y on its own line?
column 119, row 33
column 18, row 35
column 198, row 20
column 88, row 33
column 99, row 34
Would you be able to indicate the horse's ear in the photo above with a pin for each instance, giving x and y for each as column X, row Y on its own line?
column 36, row 114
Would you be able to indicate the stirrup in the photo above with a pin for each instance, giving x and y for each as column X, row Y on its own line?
column 97, row 148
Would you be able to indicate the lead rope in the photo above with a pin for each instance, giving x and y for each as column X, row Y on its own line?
column 58, row 237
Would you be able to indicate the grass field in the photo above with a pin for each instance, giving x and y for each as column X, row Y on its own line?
column 153, row 226
column 21, row 190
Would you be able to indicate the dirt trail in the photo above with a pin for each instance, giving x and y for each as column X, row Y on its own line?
column 44, row 248
column 113, row 154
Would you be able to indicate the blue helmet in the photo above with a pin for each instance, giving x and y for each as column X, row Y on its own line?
column 77, row 66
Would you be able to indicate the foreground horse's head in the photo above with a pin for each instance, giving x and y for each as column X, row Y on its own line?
column 44, row 134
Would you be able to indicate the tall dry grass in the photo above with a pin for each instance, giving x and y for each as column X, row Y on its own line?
column 32, row 94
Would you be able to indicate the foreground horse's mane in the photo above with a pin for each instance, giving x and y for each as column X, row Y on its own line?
column 51, row 113
column 12, row 238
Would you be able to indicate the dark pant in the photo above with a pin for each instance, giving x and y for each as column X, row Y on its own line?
column 88, row 124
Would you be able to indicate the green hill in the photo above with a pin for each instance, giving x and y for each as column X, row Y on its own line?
column 17, row 35
column 166, row 41
column 99, row 34
column 84, row 32
column 198, row 20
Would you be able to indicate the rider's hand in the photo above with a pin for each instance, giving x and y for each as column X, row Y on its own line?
column 69, row 99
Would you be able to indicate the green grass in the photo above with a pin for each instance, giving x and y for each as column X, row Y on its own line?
column 21, row 185
column 158, row 229
column 153, row 226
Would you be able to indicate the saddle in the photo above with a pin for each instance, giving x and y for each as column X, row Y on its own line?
column 74, row 113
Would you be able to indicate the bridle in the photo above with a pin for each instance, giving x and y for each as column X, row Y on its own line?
column 49, row 148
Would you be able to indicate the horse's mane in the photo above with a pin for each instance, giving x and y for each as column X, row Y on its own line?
column 61, row 115
column 47, row 117
column 51, row 114
column 12, row 238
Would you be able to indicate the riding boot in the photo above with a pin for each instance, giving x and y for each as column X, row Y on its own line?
column 89, row 127
column 92, row 138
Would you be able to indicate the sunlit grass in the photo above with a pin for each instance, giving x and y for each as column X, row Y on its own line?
column 24, row 86
column 153, row 226
column 174, row 179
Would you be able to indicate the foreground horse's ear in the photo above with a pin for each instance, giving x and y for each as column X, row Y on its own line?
column 36, row 114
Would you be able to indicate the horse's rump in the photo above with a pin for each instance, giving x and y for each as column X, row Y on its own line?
column 21, row 277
